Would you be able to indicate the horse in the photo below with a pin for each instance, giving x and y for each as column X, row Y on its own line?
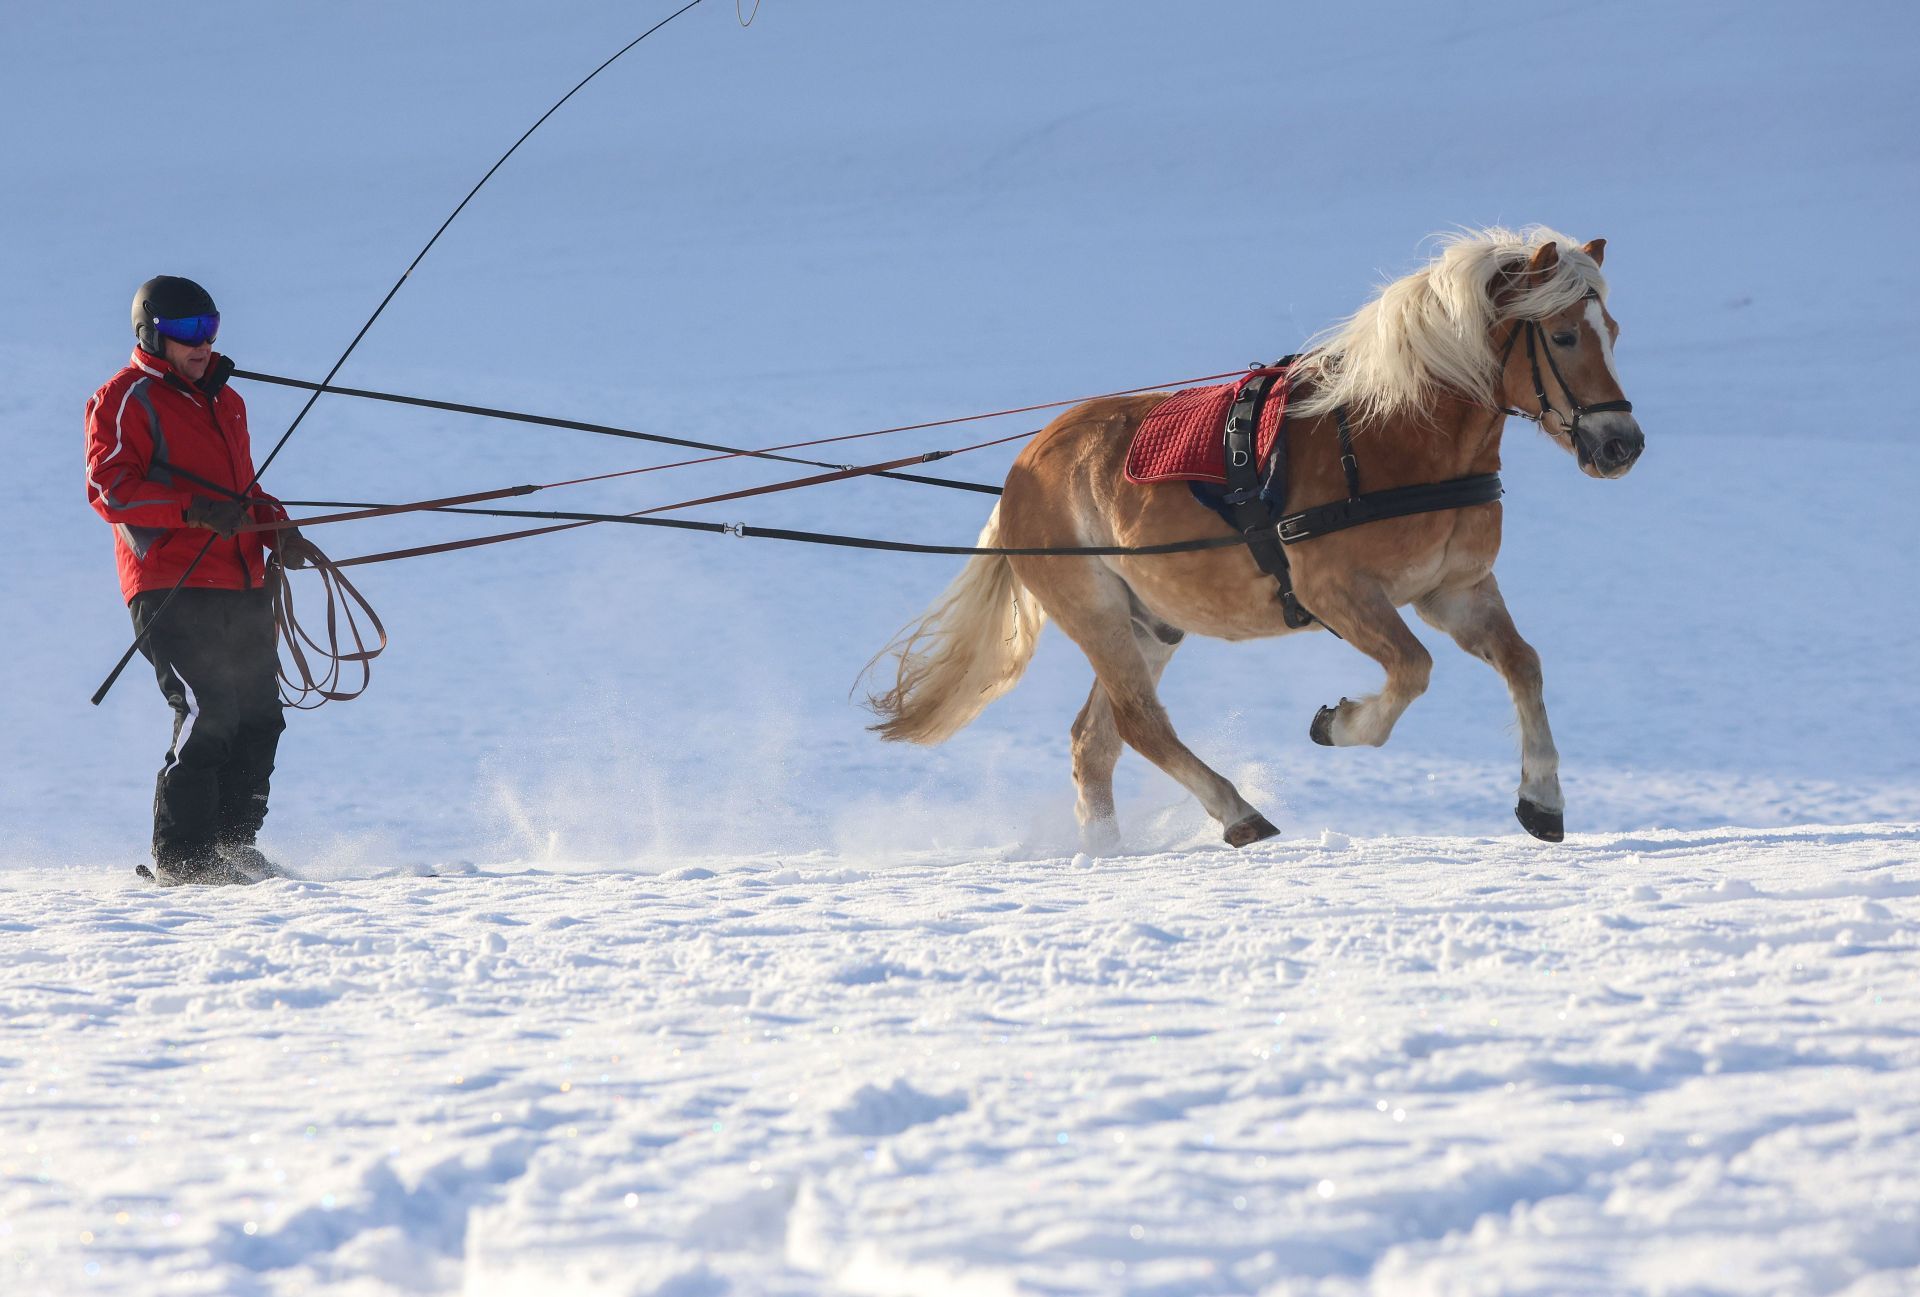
column 1426, row 374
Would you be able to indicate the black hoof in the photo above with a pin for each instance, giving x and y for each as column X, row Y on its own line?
column 1250, row 830
column 1548, row 826
column 1321, row 731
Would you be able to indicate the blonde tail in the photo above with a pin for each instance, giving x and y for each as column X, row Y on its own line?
column 966, row 651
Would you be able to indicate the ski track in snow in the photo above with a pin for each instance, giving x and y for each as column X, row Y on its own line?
column 1665, row 1061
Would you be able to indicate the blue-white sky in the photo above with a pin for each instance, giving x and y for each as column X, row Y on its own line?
column 861, row 213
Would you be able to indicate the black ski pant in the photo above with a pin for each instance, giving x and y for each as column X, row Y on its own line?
column 215, row 655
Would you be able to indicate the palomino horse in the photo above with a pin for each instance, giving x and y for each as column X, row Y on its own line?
column 1426, row 373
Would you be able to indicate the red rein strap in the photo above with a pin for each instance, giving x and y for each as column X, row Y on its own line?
column 995, row 414
column 346, row 605
column 301, row 688
column 817, row 479
column 304, row 690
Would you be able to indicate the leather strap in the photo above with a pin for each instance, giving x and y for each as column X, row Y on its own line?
column 1245, row 497
column 1241, row 438
column 1536, row 349
column 1400, row 502
column 1349, row 465
column 301, row 688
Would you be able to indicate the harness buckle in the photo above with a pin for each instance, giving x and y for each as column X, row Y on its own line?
column 734, row 528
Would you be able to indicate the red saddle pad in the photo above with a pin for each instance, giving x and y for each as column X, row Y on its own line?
column 1180, row 441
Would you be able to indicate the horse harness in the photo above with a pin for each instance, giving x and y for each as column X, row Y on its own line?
column 1252, row 497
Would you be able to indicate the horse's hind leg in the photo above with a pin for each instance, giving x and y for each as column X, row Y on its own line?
column 1363, row 614
column 1095, row 608
column 1096, row 750
column 1096, row 738
column 1478, row 620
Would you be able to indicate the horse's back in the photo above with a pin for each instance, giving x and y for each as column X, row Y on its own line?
column 1062, row 486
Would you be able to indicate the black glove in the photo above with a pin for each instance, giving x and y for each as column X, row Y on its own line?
column 222, row 517
column 293, row 549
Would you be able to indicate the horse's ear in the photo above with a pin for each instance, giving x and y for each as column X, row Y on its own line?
column 1597, row 249
column 1544, row 259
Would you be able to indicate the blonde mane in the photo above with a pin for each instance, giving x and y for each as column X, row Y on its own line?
column 1430, row 332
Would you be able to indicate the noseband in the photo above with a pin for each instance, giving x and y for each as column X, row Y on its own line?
column 1537, row 347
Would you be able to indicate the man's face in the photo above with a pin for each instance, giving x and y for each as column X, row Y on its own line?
column 190, row 362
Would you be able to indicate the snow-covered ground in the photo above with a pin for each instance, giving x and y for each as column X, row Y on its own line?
column 834, row 1007
column 1658, row 1062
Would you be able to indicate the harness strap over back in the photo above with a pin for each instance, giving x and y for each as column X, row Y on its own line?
column 1245, row 497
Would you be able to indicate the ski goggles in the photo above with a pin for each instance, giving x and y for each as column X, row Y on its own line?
column 190, row 330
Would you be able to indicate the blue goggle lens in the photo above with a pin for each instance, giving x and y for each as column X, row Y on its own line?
column 190, row 330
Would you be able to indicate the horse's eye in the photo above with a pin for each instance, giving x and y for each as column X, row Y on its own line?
column 1565, row 338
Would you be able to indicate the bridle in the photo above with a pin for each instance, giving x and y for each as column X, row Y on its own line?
column 1537, row 347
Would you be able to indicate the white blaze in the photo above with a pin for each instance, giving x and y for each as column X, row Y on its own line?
column 1598, row 319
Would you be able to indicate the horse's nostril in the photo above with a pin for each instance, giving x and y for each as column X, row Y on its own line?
column 1615, row 451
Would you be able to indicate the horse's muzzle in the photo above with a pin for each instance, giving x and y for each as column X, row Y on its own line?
column 1610, row 445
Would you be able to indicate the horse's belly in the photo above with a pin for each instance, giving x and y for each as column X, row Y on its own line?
column 1208, row 597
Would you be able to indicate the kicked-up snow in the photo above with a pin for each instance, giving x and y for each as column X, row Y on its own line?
column 1656, row 1062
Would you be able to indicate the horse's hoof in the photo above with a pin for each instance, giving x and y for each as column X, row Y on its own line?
column 1251, row 830
column 1548, row 826
column 1100, row 838
column 1321, row 731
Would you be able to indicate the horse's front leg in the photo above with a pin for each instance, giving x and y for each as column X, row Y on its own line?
column 1478, row 620
column 1367, row 619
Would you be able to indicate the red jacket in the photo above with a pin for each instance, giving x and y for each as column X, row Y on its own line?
column 150, row 434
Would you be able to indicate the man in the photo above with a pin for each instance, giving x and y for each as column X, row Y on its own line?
column 170, row 466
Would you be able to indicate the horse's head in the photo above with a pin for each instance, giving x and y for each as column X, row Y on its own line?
column 1557, row 368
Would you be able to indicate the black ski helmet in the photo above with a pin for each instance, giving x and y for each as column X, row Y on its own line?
column 166, row 297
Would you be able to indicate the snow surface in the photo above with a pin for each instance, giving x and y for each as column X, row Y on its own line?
column 669, row 828
column 1656, row 1062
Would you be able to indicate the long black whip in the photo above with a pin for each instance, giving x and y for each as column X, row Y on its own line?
column 126, row 657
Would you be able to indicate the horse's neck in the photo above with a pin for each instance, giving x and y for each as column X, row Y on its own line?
column 1473, row 431
column 1452, row 439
